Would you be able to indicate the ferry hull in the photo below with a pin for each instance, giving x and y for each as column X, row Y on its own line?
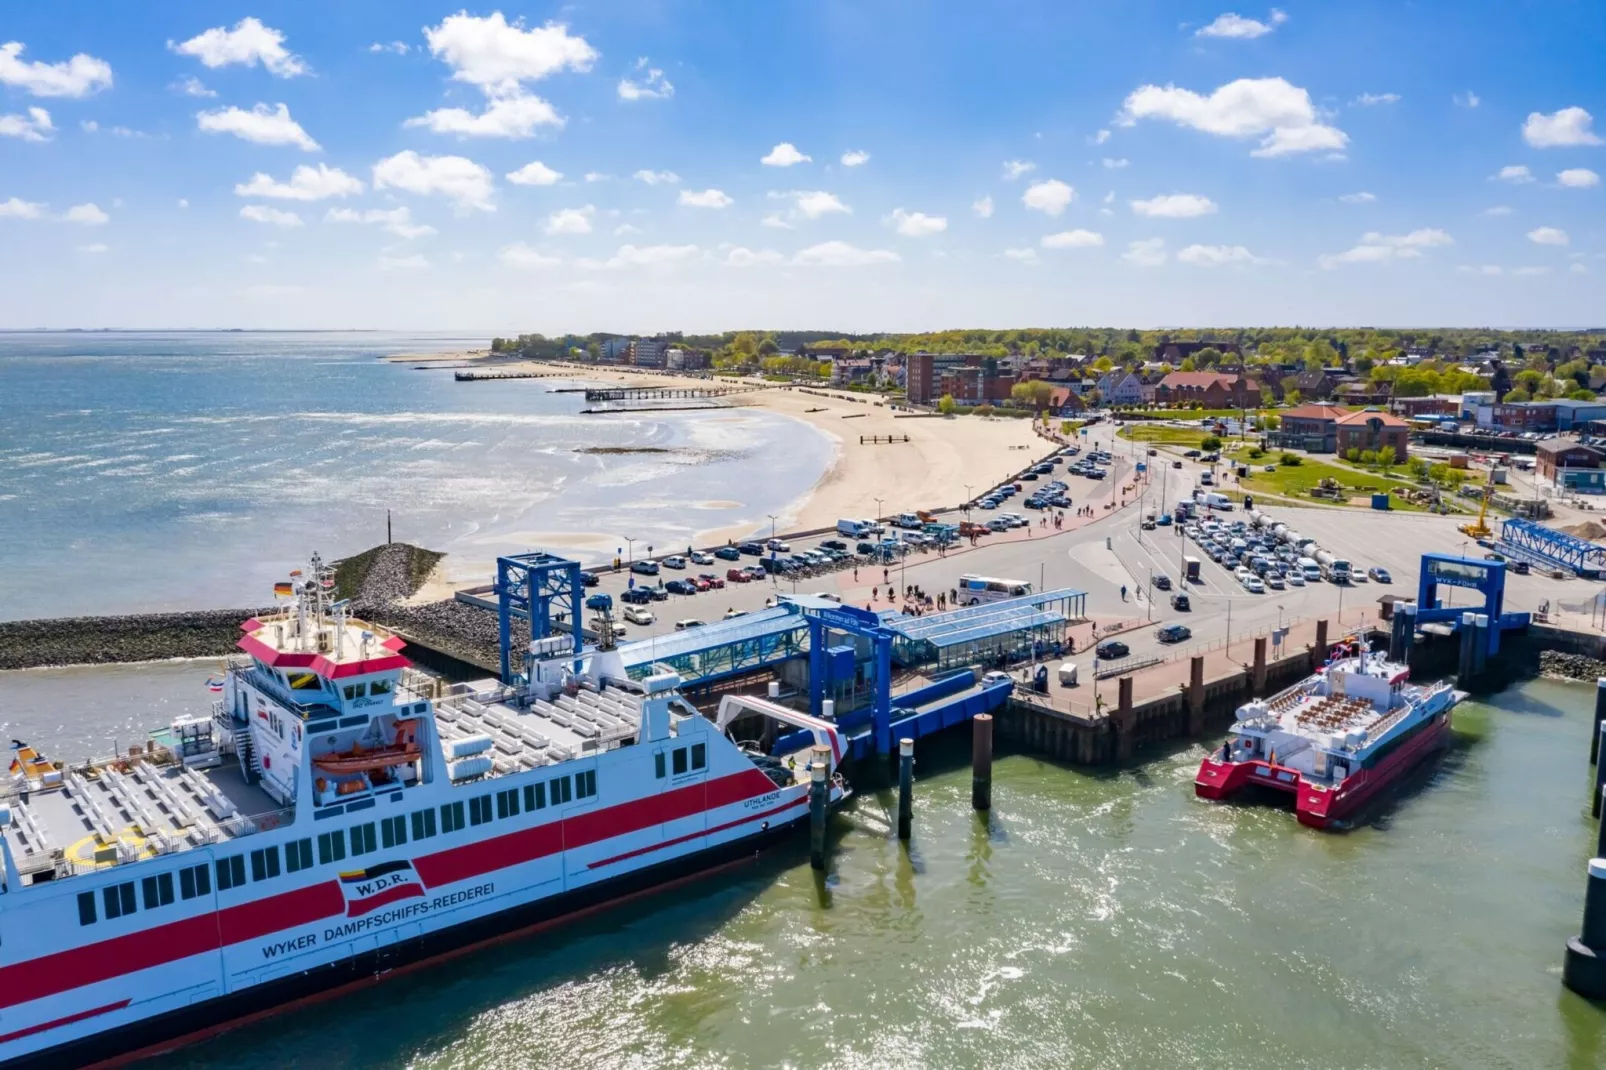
column 169, row 1032
column 1315, row 806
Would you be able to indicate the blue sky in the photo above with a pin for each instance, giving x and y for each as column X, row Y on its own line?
column 636, row 165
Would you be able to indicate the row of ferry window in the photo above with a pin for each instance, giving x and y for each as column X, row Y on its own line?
column 118, row 900
column 678, row 759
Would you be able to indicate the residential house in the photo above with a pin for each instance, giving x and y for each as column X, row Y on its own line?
column 1373, row 429
column 1364, row 392
column 1174, row 353
column 1212, row 390
column 1312, row 428
column 1316, row 384
column 1065, row 402
column 1120, row 387
column 845, row 372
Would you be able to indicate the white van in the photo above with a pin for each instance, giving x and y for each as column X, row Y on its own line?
column 1218, row 501
column 1309, row 569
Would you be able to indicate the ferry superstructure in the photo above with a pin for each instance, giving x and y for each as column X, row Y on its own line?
column 1335, row 739
column 340, row 816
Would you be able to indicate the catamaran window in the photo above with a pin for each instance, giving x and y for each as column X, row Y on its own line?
column 561, row 790
column 585, row 784
column 452, row 817
column 331, row 847
column 658, row 765
column 118, row 900
column 699, row 755
column 479, row 809
column 298, row 855
column 535, row 796
column 423, row 824
column 194, row 881
column 305, row 681
column 356, row 690
column 230, row 873
column 393, row 831
column 362, row 839
column 680, row 760
column 86, row 908
column 507, row 803
column 158, row 890
column 264, row 863
column 379, row 687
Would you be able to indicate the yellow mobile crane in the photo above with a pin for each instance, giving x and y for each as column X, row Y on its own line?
column 1481, row 529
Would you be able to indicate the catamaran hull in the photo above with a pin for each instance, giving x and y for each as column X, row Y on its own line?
column 1314, row 806
column 168, row 1032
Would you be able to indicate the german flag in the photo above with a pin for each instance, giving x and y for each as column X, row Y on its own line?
column 283, row 590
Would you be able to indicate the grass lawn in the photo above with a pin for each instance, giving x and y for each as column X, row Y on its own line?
column 1199, row 414
column 1168, row 436
column 1295, row 481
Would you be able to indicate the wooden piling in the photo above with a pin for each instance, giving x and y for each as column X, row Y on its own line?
column 1600, row 718
column 819, row 797
column 1260, row 667
column 1600, row 772
column 906, row 788
column 1196, row 696
column 1318, row 653
column 981, row 762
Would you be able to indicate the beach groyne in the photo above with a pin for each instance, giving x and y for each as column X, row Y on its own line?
column 29, row 644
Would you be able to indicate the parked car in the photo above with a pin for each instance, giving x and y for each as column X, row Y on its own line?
column 700, row 583
column 675, row 561
column 602, row 603
column 589, row 579
column 645, row 568
column 1173, row 633
column 828, row 544
column 752, row 549
column 1520, row 567
column 637, row 615
column 1381, row 575
column 657, row 594
column 728, row 553
column 780, row 546
column 702, row 557
column 636, row 596
column 1191, row 453
column 1113, row 648
column 689, row 622
column 1180, row 603
column 713, row 580
column 1253, row 585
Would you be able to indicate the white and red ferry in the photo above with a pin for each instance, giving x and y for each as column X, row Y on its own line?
column 341, row 816
column 1335, row 739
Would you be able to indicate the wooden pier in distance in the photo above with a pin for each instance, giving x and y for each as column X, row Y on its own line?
column 881, row 440
column 477, row 375
column 659, row 393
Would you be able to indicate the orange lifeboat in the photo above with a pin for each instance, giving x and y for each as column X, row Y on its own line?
column 359, row 759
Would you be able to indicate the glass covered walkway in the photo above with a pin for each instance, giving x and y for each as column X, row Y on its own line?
column 999, row 632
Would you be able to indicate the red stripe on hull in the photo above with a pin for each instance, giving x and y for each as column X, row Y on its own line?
column 650, row 848
column 94, row 1012
column 384, row 898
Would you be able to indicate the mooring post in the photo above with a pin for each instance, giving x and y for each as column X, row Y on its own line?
column 1600, row 832
column 1464, row 668
column 906, row 788
column 1125, row 720
column 1196, row 698
column 819, row 796
column 1600, row 770
column 1260, row 666
column 981, row 761
column 1584, row 968
column 1480, row 643
column 1318, row 653
column 1600, row 718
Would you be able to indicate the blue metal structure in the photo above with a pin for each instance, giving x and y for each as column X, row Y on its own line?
column 825, row 672
column 1486, row 577
column 1547, row 546
column 722, row 648
column 531, row 586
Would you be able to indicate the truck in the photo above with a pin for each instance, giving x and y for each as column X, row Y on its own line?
column 855, row 529
column 910, row 520
column 1190, row 569
column 1334, row 569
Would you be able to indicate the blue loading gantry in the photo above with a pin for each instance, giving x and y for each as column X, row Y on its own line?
column 1549, row 548
column 1486, row 577
column 530, row 586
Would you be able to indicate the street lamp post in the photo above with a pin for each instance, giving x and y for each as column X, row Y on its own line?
column 879, row 511
column 630, row 546
column 772, row 517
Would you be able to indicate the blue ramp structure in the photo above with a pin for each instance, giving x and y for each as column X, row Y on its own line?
column 723, row 648
column 530, row 587
column 1549, row 548
column 1487, row 578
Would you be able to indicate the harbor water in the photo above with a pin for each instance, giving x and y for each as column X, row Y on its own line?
column 1094, row 919
column 147, row 471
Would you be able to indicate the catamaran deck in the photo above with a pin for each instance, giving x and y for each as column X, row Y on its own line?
column 102, row 816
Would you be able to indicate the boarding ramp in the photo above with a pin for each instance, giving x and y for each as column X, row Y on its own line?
column 719, row 649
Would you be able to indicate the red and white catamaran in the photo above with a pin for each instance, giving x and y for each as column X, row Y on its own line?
column 341, row 815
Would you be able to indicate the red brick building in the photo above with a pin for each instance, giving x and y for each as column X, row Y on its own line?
column 1372, row 429
column 1213, row 390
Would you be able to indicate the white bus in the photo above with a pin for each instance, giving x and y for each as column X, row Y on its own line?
column 975, row 590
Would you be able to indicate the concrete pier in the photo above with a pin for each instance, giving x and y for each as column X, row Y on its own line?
column 981, row 761
column 906, row 788
column 819, row 804
column 1584, row 967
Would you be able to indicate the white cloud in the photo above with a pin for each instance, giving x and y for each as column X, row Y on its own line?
column 653, row 178
column 811, row 204
column 462, row 180
column 183, row 202
column 90, row 215
column 625, row 228
column 392, row 262
column 570, row 220
column 1109, row 198
column 35, row 126
column 1025, row 254
column 306, row 184
column 597, row 176
column 90, row 126
column 708, row 198
column 776, row 220
column 1362, row 197
column 918, row 224
column 17, row 208
column 192, row 87
column 1495, row 210
column 1480, row 269
column 398, row 47
column 1515, row 173
column 1469, row 99
column 1013, row 169
column 983, row 208
column 519, row 255
column 744, row 257
column 1525, row 271
column 1216, row 255
column 1548, row 236
column 1567, row 127
column 1072, row 239
column 96, row 247
column 1278, row 113
column 855, row 158
column 1101, row 137
column 1050, row 196
column 1241, row 28
column 1577, row 269
column 1367, row 100
column 1150, row 252
column 249, row 43
column 1115, row 164
column 1375, row 248
column 261, row 213
column 262, row 124
column 653, row 86
column 1577, row 178
column 647, row 256
column 516, row 115
column 497, row 56
column 841, row 254
column 1174, row 206
column 398, row 220
column 534, row 173
column 784, row 155
column 76, row 77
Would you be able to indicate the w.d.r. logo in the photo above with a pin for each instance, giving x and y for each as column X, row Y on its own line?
column 369, row 889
